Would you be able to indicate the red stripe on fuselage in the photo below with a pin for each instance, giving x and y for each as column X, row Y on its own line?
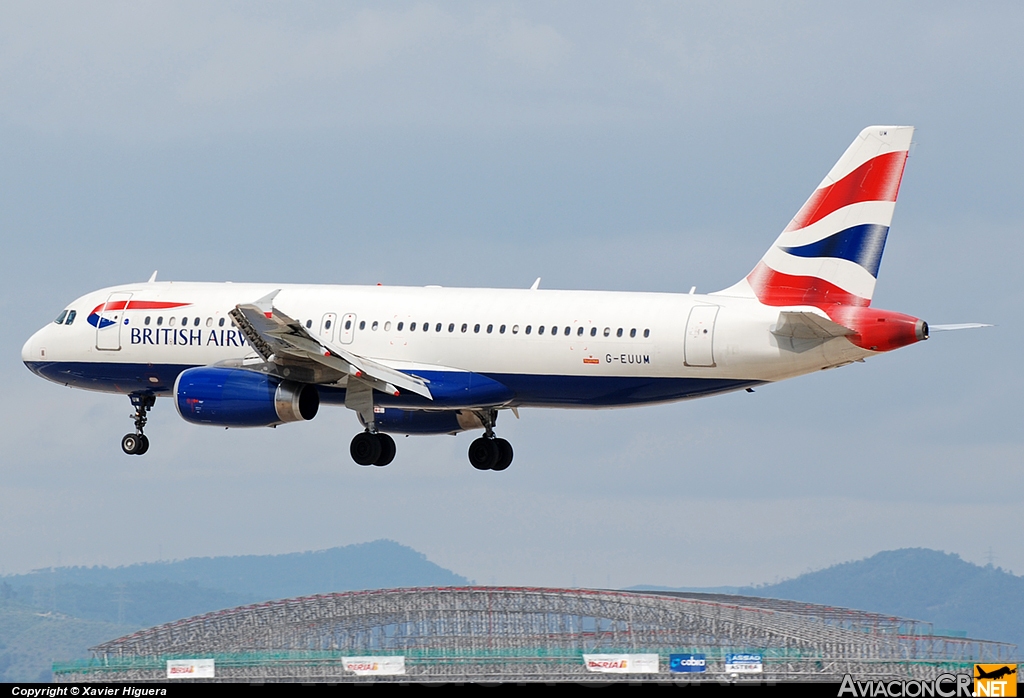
column 878, row 179
column 136, row 305
column 777, row 289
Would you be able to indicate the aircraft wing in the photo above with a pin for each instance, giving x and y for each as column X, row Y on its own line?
column 805, row 325
column 285, row 343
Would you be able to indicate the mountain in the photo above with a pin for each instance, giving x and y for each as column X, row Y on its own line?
column 955, row 596
column 380, row 564
column 952, row 594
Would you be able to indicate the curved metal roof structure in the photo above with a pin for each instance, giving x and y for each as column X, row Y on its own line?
column 523, row 633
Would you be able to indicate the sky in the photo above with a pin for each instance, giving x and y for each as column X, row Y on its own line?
column 638, row 146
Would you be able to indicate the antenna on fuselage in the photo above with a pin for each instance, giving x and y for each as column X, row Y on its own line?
column 152, row 279
column 536, row 284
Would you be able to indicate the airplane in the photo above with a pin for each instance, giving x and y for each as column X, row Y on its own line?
column 433, row 360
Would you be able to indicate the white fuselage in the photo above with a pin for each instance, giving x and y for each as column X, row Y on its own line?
column 552, row 348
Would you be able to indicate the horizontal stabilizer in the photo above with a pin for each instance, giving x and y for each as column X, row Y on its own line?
column 961, row 326
column 804, row 325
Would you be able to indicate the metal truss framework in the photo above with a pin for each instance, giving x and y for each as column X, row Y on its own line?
column 523, row 634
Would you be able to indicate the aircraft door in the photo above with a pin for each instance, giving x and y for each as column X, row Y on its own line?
column 347, row 329
column 698, row 346
column 327, row 326
column 109, row 320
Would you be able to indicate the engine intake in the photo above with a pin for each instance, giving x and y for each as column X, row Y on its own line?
column 232, row 397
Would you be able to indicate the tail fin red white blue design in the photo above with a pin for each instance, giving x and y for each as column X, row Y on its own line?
column 830, row 252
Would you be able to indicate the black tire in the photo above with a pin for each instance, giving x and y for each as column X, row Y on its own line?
column 130, row 444
column 143, row 445
column 483, row 453
column 504, row 454
column 387, row 450
column 365, row 448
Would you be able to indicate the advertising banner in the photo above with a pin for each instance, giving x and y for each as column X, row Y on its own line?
column 374, row 666
column 687, row 663
column 622, row 663
column 190, row 668
column 744, row 663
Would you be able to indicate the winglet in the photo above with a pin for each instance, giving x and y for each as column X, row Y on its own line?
column 536, row 284
column 152, row 278
column 266, row 304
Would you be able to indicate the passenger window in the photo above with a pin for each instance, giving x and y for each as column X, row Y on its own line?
column 579, row 332
column 362, row 324
column 437, row 327
column 184, row 322
column 501, row 330
column 476, row 328
column 490, row 328
column 464, row 327
column 387, row 326
column 327, row 325
column 412, row 327
column 593, row 331
column 71, row 317
column 146, row 321
column 567, row 330
column 171, row 321
column 209, row 322
column 400, row 325
column 619, row 333
column 426, row 327
column 540, row 330
column 60, row 318
column 374, row 326
column 348, row 324
column 195, row 323
column 220, row 323
column 515, row 329
column 607, row 331
column 160, row 321
column 647, row 333
column 632, row 332
column 528, row 328
column 451, row 326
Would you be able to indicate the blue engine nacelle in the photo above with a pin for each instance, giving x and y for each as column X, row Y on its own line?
column 396, row 421
column 233, row 397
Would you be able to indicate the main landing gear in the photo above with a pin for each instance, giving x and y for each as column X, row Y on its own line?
column 372, row 448
column 138, row 443
column 489, row 452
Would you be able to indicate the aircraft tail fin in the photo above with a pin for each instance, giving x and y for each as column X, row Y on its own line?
column 831, row 250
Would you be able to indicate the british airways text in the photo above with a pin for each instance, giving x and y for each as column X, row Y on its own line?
column 188, row 338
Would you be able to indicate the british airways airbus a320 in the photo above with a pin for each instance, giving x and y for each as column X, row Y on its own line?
column 442, row 360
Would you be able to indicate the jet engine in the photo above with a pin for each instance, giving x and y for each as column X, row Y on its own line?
column 232, row 397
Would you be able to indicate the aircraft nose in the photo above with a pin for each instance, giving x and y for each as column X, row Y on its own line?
column 34, row 349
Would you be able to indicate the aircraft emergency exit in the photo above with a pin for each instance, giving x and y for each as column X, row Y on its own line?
column 443, row 360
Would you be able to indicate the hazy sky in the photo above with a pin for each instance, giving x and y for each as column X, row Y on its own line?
column 621, row 146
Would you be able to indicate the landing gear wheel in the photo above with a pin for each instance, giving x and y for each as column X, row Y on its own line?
column 504, row 454
column 130, row 444
column 366, row 448
column 387, row 450
column 143, row 444
column 483, row 453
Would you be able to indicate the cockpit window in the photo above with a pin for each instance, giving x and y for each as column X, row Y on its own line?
column 71, row 317
column 60, row 318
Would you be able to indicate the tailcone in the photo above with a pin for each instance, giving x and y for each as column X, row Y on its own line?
column 880, row 330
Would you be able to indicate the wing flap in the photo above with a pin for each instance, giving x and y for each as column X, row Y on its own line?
column 281, row 340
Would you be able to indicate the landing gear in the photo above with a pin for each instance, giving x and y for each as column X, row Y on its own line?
column 369, row 448
column 138, row 443
column 489, row 452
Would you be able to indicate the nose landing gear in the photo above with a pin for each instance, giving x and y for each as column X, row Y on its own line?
column 138, row 443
